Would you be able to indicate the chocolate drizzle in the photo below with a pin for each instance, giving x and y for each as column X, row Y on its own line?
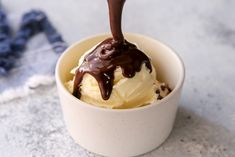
column 109, row 55
column 115, row 18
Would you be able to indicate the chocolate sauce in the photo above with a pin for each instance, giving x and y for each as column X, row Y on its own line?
column 115, row 18
column 109, row 55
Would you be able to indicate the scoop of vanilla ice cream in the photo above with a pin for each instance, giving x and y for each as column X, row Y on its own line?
column 132, row 92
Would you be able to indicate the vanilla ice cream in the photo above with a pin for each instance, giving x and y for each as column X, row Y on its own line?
column 140, row 90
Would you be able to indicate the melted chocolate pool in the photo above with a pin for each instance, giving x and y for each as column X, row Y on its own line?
column 109, row 55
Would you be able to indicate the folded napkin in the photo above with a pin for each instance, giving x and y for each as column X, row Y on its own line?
column 39, row 57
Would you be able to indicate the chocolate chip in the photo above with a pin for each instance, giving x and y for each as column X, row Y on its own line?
column 163, row 87
column 159, row 97
column 157, row 91
column 169, row 90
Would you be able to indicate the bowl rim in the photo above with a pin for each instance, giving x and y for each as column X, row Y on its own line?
column 179, row 84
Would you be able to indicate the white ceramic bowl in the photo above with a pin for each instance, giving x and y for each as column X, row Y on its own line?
column 126, row 132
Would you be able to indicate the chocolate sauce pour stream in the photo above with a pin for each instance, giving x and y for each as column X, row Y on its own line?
column 115, row 18
column 110, row 54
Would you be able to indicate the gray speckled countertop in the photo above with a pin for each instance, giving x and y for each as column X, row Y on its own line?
column 201, row 31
